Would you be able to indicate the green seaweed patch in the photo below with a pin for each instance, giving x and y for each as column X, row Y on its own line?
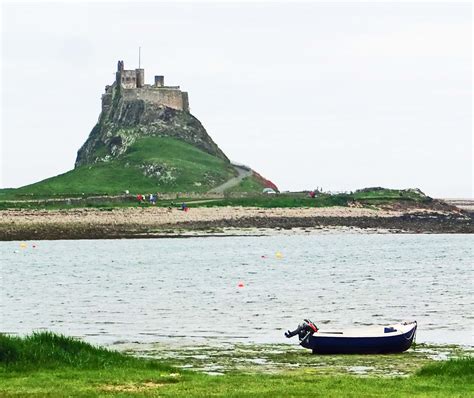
column 284, row 358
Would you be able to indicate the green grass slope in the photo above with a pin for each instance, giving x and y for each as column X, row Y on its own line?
column 364, row 198
column 151, row 164
column 248, row 184
column 45, row 364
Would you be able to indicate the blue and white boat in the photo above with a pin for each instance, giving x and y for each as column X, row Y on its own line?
column 368, row 340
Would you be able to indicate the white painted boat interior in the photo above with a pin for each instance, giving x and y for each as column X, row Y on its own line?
column 368, row 331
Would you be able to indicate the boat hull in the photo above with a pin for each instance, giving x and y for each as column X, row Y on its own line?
column 326, row 344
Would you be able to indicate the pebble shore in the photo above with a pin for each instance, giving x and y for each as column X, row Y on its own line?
column 139, row 222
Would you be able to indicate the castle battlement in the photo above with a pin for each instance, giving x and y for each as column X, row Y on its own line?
column 132, row 87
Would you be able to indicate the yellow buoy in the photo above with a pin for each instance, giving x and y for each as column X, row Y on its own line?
column 278, row 255
column 23, row 245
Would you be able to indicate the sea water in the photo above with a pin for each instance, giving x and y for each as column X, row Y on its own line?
column 237, row 289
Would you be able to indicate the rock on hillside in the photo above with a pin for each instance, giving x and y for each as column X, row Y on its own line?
column 125, row 121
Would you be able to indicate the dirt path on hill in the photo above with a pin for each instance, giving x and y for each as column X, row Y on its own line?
column 242, row 173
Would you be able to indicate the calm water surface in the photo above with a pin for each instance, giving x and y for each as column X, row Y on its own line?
column 111, row 291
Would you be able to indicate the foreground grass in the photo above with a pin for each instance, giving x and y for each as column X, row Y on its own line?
column 47, row 364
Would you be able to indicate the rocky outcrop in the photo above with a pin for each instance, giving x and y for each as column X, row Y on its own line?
column 124, row 121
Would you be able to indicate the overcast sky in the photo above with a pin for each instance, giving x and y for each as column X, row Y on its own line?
column 337, row 95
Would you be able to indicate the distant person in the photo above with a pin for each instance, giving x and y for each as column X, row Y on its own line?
column 139, row 198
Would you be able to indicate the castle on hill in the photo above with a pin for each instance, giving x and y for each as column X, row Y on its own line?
column 132, row 87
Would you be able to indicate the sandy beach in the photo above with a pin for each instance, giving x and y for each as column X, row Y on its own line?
column 158, row 221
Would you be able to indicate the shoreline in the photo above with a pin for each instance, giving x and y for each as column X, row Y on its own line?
column 34, row 364
column 156, row 222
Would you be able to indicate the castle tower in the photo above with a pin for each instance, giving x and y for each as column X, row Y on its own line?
column 118, row 74
column 159, row 81
column 140, row 73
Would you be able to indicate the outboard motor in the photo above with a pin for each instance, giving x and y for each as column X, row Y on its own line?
column 304, row 329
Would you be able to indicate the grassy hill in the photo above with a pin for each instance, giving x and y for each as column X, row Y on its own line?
column 142, row 147
column 151, row 164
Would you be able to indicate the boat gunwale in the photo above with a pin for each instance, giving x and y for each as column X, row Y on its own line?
column 321, row 334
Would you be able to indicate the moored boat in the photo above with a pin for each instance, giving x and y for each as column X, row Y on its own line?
column 369, row 340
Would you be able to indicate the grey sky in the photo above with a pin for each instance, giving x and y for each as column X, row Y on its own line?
column 336, row 95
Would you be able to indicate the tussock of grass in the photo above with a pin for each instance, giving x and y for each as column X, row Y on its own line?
column 453, row 368
column 49, row 350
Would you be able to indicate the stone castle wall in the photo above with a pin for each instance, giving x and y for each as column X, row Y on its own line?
column 132, row 87
column 171, row 98
column 106, row 101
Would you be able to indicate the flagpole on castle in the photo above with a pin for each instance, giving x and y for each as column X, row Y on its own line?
column 139, row 57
